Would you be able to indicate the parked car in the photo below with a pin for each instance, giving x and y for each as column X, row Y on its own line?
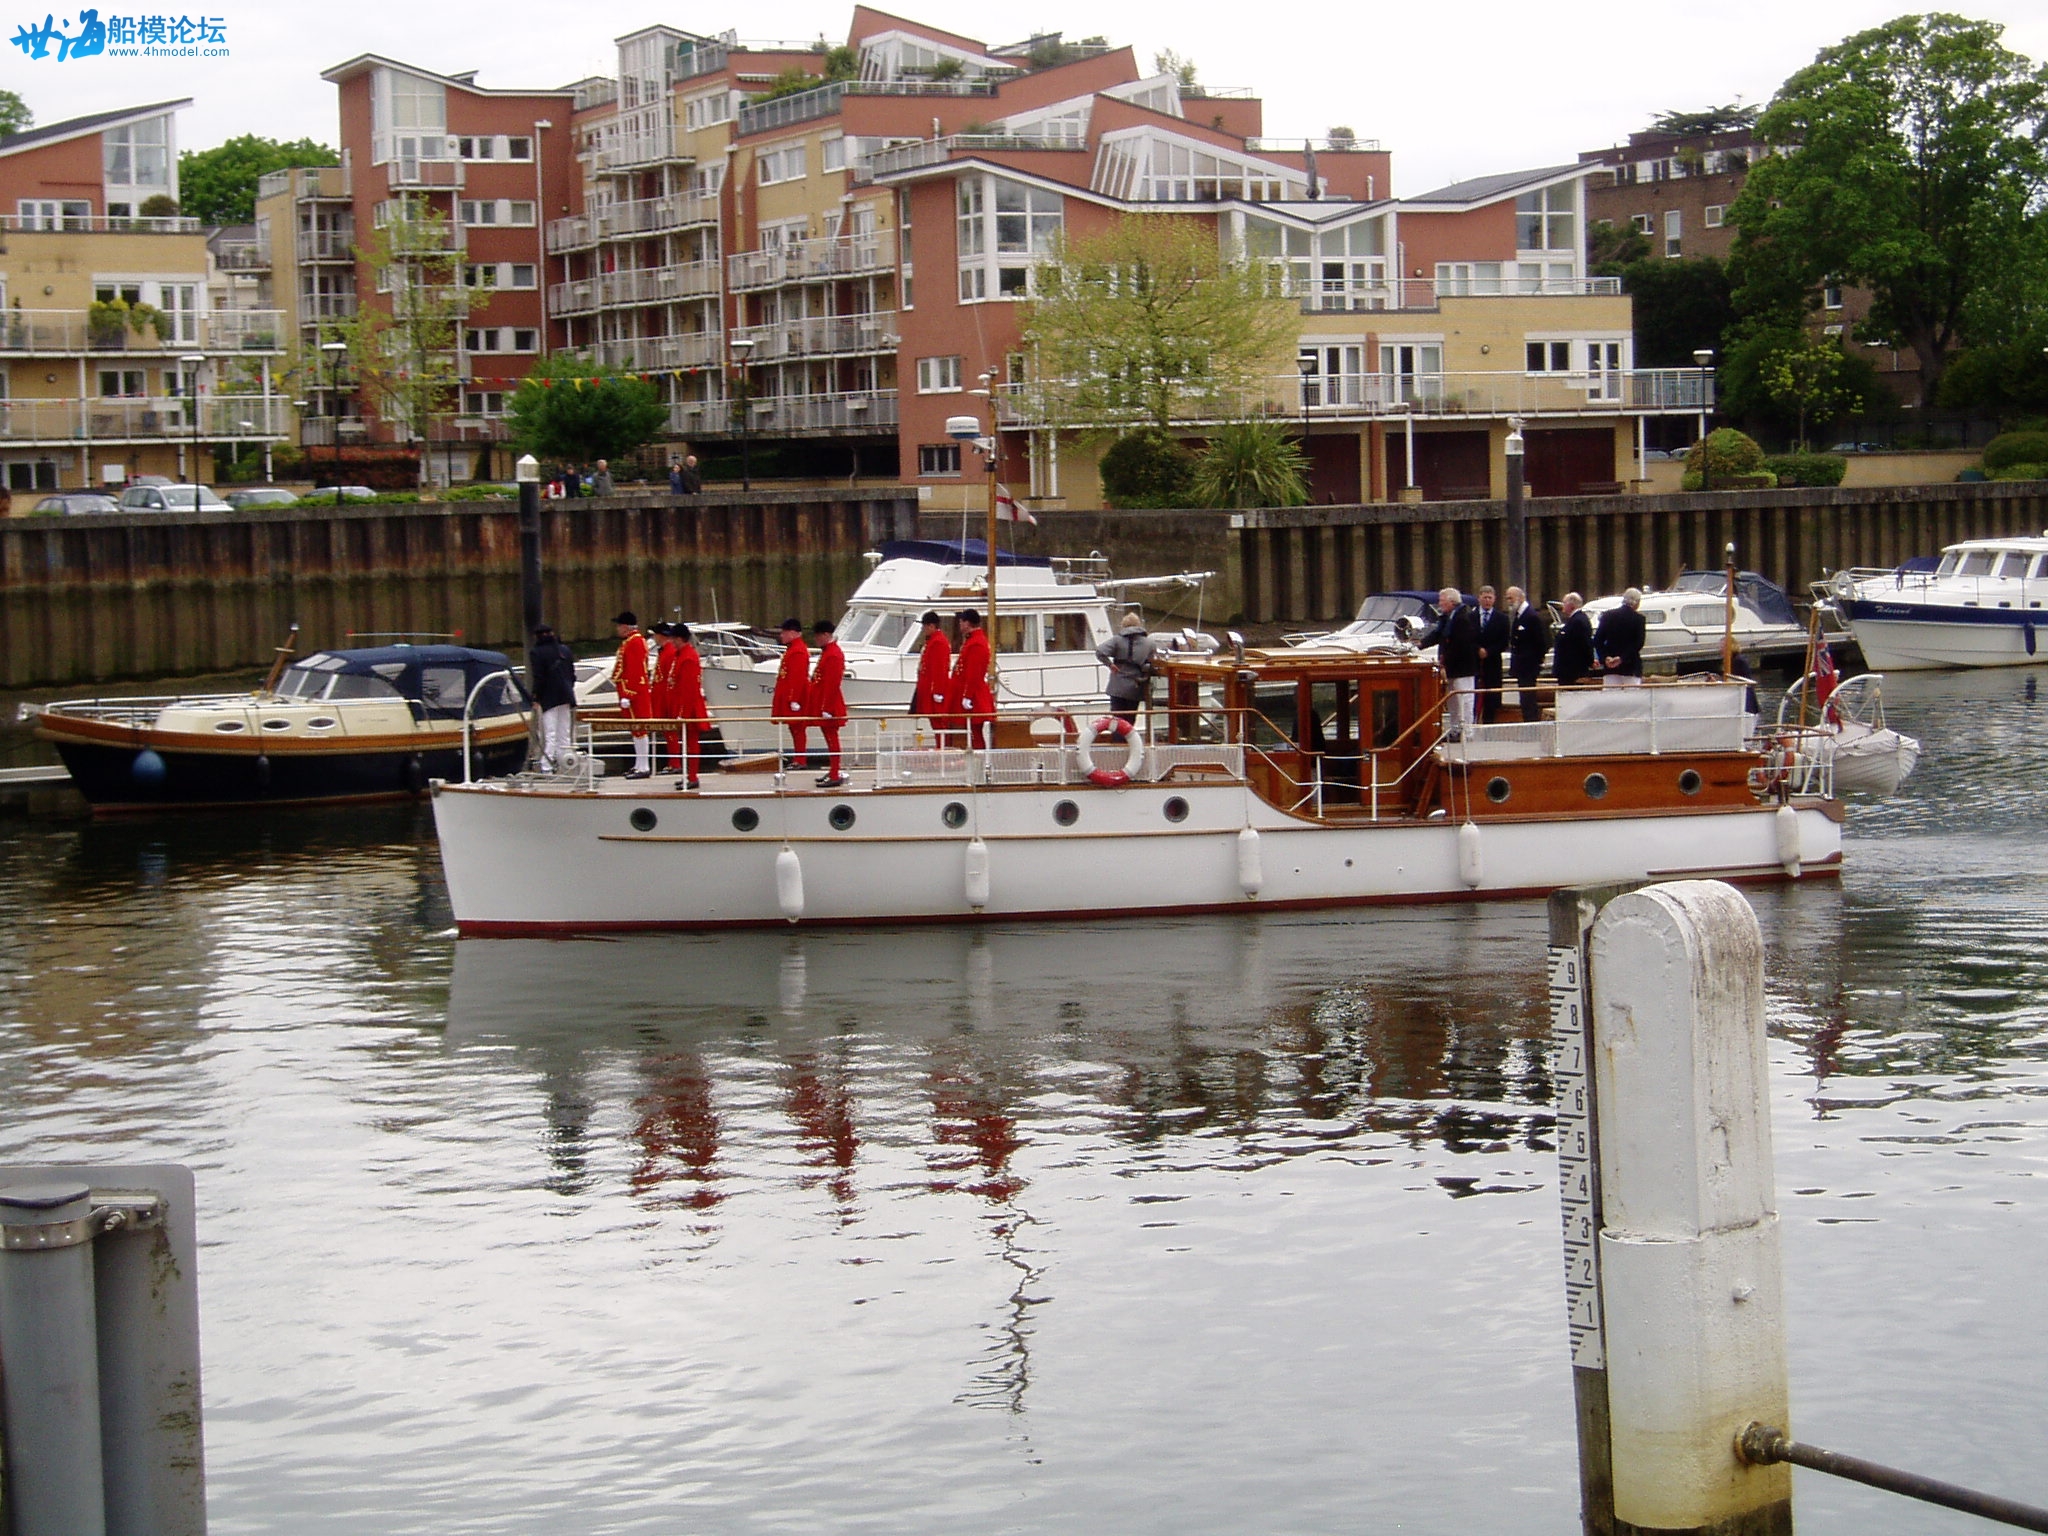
column 1859, row 448
column 69, row 502
column 262, row 496
column 348, row 493
column 172, row 498
column 152, row 480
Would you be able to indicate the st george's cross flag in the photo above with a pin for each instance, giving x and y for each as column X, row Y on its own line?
column 1008, row 509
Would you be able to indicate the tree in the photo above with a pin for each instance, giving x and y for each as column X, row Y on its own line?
column 1809, row 381
column 1691, row 125
column 404, row 358
column 1744, row 389
column 219, row 184
column 1150, row 322
column 1913, row 159
column 1251, row 464
column 15, row 116
column 1610, row 247
column 577, row 413
column 1680, row 306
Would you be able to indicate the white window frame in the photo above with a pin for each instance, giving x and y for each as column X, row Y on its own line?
column 784, row 162
column 940, row 375
column 1715, row 214
column 1674, row 232
column 938, row 461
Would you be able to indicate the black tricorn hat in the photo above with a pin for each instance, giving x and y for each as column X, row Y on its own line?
column 627, row 617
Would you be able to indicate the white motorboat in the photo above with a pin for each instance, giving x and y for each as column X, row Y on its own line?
column 1685, row 622
column 1269, row 779
column 1867, row 756
column 1387, row 621
column 1980, row 605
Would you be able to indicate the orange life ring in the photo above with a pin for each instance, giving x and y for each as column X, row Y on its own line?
column 1134, row 759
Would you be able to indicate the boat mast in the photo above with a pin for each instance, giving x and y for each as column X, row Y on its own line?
column 1728, row 625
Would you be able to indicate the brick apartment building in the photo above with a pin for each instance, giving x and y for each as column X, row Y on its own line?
column 121, row 353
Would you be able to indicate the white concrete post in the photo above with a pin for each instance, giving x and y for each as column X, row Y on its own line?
column 1691, row 1290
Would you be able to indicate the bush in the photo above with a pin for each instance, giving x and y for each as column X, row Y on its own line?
column 2021, row 472
column 480, row 493
column 1736, row 462
column 1148, row 468
column 1811, row 469
column 2009, row 449
column 1251, row 464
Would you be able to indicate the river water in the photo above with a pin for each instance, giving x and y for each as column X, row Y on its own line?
column 1195, row 1226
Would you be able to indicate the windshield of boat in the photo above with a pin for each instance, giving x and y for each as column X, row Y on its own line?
column 875, row 626
column 321, row 677
column 1977, row 563
column 1381, row 609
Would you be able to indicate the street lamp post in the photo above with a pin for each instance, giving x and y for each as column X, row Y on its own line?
column 1518, row 522
column 742, row 347
column 1704, row 357
column 1305, row 364
column 192, row 361
column 334, row 351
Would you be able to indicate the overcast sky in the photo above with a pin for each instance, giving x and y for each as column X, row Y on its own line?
column 1453, row 90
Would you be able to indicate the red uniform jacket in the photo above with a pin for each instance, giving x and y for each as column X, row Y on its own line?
column 633, row 678
column 793, row 683
column 827, row 695
column 688, row 700
column 934, row 676
column 664, row 682
column 970, row 693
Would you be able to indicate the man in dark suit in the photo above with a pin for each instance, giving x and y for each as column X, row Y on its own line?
column 1618, row 642
column 1494, row 634
column 1528, row 639
column 1573, row 662
column 1457, row 652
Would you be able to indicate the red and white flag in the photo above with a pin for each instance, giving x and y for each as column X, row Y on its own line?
column 1009, row 510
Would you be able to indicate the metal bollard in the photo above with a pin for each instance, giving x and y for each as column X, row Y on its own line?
column 49, row 1342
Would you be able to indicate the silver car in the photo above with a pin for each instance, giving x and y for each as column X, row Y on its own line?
column 172, row 498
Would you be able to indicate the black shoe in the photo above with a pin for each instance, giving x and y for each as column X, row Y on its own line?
column 691, row 784
column 831, row 781
column 639, row 773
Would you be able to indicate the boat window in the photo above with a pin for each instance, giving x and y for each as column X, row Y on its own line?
column 1656, row 616
column 1272, row 722
column 1015, row 632
column 1704, row 615
column 1068, row 632
column 889, row 633
column 352, row 685
column 443, row 688
column 303, row 682
column 498, row 697
column 1386, row 716
column 1977, row 563
column 854, row 627
column 1383, row 608
column 2041, row 569
column 2014, row 565
column 1947, row 566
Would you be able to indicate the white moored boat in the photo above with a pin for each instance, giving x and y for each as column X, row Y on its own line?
column 1983, row 604
column 1868, row 757
column 1275, row 779
column 1685, row 624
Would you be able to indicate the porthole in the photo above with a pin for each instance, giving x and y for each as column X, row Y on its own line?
column 1596, row 786
column 643, row 820
column 226, row 726
column 1498, row 789
column 954, row 815
column 1176, row 809
column 1689, row 782
column 277, row 725
column 745, row 819
column 841, row 817
column 322, row 723
column 1066, row 813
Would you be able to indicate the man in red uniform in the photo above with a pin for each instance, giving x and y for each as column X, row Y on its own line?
column 828, row 700
column 971, row 699
column 633, row 677
column 934, row 675
column 688, row 701
column 792, row 701
column 665, row 693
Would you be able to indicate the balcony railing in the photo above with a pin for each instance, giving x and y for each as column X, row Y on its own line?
column 330, row 181
column 697, row 349
column 242, row 256
column 571, row 234
column 813, row 261
column 649, row 145
column 221, row 418
column 822, row 336
column 319, row 431
column 572, row 298
column 1427, row 294
column 1365, row 396
column 859, row 411
column 51, row 331
column 95, row 224
column 802, row 107
column 985, row 87
column 326, row 306
column 655, row 285
column 923, row 152
column 441, row 175
column 618, row 220
column 701, row 60
column 327, row 245
column 1322, row 146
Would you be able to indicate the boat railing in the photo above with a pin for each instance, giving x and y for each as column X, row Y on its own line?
column 138, row 710
column 469, row 719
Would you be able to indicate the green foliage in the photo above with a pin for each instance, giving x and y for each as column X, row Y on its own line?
column 575, row 412
column 1913, row 163
column 1680, row 306
column 1807, row 469
column 1250, row 464
column 1611, row 247
column 160, row 206
column 1149, row 322
column 1148, row 468
column 1744, row 390
column 1733, row 457
column 479, row 493
column 793, row 81
column 2008, row 380
column 219, row 184
column 2020, row 472
column 945, row 69
column 15, row 116
column 1808, row 380
column 2012, row 448
column 842, row 63
column 107, row 320
column 1708, row 120
column 1167, row 62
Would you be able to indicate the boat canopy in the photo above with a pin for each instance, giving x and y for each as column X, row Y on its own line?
column 438, row 678
column 1760, row 593
column 957, row 552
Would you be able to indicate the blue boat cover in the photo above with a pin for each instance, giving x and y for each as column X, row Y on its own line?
column 1759, row 593
column 956, row 552
column 407, row 668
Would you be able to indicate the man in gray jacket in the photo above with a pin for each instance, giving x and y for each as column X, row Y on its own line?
column 1128, row 655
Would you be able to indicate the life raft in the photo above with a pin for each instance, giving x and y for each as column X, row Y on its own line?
column 1134, row 757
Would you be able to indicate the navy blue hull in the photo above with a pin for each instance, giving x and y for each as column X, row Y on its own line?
column 110, row 779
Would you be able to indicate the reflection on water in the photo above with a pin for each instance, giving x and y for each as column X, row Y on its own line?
column 1205, row 1225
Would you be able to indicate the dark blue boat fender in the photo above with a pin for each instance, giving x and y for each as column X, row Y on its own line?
column 263, row 770
column 415, row 774
column 148, row 770
column 2029, row 631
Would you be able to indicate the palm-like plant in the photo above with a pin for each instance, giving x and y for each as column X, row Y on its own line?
column 1251, row 464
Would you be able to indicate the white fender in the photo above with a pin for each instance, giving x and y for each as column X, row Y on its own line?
column 789, row 884
column 1251, row 868
column 977, row 874
column 1785, row 825
column 1471, row 864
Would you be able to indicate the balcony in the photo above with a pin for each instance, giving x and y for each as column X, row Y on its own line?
column 695, row 349
column 325, row 306
column 242, row 256
column 785, row 111
column 822, row 336
column 322, row 181
column 412, row 172
column 54, row 332
column 657, row 285
column 812, row 261
column 572, row 298
column 1321, row 298
column 222, row 418
column 571, row 234
column 701, row 60
column 82, row 224
column 861, row 412
column 615, row 221
column 326, row 245
column 651, row 144
column 923, row 152
column 1478, row 396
